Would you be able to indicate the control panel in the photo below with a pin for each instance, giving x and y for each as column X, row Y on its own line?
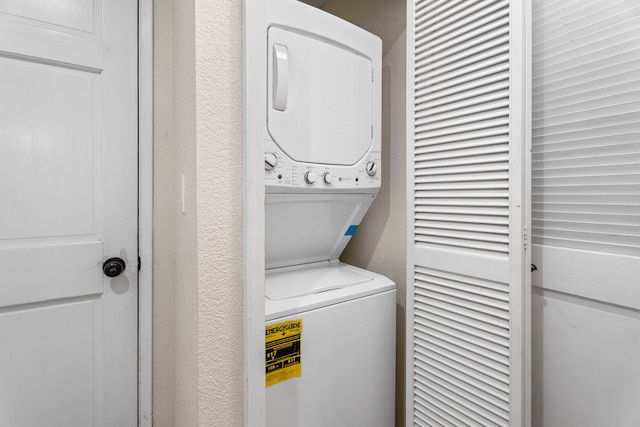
column 283, row 173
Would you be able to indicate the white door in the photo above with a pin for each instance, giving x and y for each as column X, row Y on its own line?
column 586, row 213
column 466, row 297
column 68, row 190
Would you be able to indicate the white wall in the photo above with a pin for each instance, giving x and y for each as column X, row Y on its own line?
column 198, row 375
column 380, row 242
column 219, row 153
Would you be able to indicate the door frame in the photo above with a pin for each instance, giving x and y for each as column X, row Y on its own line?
column 145, row 212
column 254, row 62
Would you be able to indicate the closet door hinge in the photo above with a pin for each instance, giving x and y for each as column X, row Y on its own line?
column 526, row 238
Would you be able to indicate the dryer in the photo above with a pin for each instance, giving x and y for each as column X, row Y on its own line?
column 322, row 136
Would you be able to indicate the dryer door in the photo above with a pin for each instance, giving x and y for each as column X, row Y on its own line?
column 320, row 99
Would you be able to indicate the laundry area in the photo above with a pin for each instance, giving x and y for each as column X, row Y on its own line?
column 323, row 168
column 499, row 187
column 319, row 213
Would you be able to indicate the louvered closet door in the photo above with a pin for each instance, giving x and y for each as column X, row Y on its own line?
column 467, row 133
column 586, row 212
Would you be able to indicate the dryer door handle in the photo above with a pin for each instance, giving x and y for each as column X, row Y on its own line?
column 280, row 77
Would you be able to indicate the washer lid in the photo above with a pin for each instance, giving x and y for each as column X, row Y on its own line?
column 309, row 281
column 320, row 98
column 321, row 287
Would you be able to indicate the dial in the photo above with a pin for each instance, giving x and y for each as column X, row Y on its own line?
column 327, row 178
column 310, row 178
column 371, row 168
column 270, row 161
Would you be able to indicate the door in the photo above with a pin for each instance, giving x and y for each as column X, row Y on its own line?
column 466, row 297
column 319, row 92
column 586, row 213
column 68, row 181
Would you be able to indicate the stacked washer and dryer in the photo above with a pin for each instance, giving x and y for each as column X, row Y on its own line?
column 322, row 172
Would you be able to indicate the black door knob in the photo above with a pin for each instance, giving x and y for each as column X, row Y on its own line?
column 113, row 267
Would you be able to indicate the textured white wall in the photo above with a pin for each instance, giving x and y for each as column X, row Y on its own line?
column 198, row 375
column 220, row 195
column 380, row 243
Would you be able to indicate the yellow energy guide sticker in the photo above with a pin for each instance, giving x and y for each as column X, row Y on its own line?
column 283, row 345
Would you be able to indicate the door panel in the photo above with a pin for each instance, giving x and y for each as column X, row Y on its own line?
column 50, row 129
column 68, row 180
column 71, row 14
column 585, row 361
column 466, row 307
column 608, row 278
column 62, row 47
column 50, row 374
column 51, row 279
column 586, row 210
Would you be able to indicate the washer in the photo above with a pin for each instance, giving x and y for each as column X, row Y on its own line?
column 348, row 346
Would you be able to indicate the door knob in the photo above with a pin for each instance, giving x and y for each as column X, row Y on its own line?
column 113, row 267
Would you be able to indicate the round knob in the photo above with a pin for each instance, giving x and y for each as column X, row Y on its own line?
column 310, row 177
column 113, row 267
column 270, row 161
column 371, row 168
column 327, row 178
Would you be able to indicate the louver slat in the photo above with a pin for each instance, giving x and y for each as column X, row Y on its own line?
column 478, row 407
column 461, row 335
column 451, row 315
column 586, row 127
column 462, row 205
column 430, row 359
column 485, row 400
column 461, row 111
column 477, row 16
column 476, row 29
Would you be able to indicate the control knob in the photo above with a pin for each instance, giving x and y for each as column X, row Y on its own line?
column 371, row 168
column 270, row 161
column 327, row 178
column 310, row 178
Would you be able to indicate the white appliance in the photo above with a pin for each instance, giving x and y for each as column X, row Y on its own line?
column 322, row 172
column 348, row 347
